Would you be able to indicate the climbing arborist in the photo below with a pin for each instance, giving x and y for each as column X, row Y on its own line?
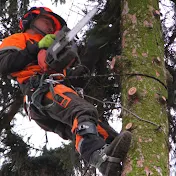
column 56, row 106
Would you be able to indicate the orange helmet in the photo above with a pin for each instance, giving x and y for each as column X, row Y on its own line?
column 26, row 20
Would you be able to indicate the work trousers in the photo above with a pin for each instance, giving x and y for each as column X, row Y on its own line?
column 62, row 108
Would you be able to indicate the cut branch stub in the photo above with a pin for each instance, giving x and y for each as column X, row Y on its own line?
column 156, row 60
column 133, row 95
column 156, row 13
column 160, row 98
column 132, row 91
column 116, row 63
column 129, row 126
column 113, row 62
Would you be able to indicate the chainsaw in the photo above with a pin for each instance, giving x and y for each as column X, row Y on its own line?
column 63, row 38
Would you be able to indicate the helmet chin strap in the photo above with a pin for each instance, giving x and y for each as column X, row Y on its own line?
column 38, row 30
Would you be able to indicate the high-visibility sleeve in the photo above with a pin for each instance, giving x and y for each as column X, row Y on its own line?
column 13, row 60
column 17, row 51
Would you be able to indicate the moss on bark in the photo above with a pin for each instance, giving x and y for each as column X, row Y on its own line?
column 143, row 52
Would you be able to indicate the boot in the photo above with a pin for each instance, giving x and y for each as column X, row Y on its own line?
column 109, row 158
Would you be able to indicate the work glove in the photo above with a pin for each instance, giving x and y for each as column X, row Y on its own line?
column 42, row 60
column 46, row 41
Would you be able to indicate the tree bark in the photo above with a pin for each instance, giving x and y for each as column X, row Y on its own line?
column 143, row 88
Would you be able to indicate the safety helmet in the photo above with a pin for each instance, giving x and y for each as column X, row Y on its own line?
column 26, row 20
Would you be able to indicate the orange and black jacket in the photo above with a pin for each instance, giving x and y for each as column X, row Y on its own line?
column 18, row 56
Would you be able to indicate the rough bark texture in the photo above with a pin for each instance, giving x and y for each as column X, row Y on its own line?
column 143, row 53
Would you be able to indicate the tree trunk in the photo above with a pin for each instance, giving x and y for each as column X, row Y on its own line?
column 143, row 88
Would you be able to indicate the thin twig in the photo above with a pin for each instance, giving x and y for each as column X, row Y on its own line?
column 135, row 115
column 127, row 74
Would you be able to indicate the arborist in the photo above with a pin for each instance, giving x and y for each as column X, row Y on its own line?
column 57, row 107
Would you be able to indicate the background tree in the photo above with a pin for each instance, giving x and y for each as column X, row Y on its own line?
column 53, row 162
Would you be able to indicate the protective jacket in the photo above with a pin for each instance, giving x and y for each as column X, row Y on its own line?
column 18, row 56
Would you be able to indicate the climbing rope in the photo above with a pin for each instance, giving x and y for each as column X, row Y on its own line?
column 123, row 108
column 127, row 74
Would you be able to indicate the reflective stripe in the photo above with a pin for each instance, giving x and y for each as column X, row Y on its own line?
column 79, row 142
column 113, row 159
column 75, row 125
column 102, row 132
column 10, row 47
column 18, row 42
